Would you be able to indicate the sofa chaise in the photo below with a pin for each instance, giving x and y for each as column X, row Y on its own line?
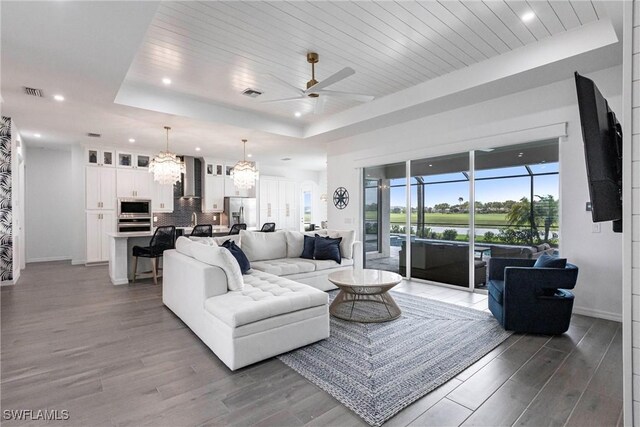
column 247, row 318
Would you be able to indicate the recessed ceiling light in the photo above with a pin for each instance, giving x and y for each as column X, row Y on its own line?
column 297, row 114
column 430, row 165
column 58, row 98
column 528, row 16
column 37, row 135
column 197, row 148
column 249, row 155
column 166, row 80
column 132, row 140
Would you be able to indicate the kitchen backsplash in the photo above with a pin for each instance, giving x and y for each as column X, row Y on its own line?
column 184, row 208
column 181, row 215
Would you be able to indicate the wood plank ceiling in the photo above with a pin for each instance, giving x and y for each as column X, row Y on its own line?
column 217, row 49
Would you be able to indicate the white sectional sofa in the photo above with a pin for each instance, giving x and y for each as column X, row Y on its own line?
column 247, row 318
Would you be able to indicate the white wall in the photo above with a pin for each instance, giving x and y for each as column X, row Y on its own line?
column 527, row 113
column 48, row 207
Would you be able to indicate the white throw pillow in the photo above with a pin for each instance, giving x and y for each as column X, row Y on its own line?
column 183, row 245
column 220, row 257
column 259, row 246
column 346, row 245
column 295, row 244
column 209, row 241
column 234, row 238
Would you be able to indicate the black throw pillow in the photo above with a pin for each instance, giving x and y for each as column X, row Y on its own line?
column 237, row 253
column 328, row 249
column 309, row 247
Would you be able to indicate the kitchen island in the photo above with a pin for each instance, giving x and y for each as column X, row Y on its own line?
column 120, row 252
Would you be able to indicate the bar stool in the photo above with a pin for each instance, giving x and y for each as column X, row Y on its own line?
column 268, row 227
column 235, row 228
column 164, row 238
column 202, row 230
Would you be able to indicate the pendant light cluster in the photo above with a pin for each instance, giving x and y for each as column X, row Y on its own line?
column 244, row 173
column 166, row 166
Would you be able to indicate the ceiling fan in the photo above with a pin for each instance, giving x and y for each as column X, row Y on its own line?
column 316, row 90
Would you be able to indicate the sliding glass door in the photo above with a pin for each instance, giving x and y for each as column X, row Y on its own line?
column 454, row 213
column 440, row 219
column 384, row 216
column 516, row 209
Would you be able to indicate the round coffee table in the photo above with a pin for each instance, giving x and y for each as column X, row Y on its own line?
column 364, row 296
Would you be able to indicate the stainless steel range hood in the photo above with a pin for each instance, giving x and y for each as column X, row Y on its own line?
column 189, row 178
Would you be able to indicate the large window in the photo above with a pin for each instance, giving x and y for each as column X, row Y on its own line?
column 511, row 192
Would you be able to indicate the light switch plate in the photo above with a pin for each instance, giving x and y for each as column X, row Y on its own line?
column 155, row 219
column 595, row 227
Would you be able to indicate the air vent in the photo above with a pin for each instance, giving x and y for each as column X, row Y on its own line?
column 32, row 91
column 94, row 135
column 252, row 93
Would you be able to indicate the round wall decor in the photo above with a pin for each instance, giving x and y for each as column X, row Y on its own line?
column 341, row 198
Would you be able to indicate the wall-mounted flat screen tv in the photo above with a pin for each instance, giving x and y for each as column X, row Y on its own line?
column 602, row 136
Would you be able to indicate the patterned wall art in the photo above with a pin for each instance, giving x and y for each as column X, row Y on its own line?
column 6, row 241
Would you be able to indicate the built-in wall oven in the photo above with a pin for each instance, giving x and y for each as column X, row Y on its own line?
column 134, row 215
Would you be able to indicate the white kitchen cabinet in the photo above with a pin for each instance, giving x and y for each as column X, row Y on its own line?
column 130, row 160
column 268, row 200
column 134, row 183
column 99, row 223
column 162, row 200
column 278, row 201
column 213, row 193
column 287, row 205
column 100, row 188
column 100, row 157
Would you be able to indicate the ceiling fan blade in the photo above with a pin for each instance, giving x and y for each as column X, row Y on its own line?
column 332, row 79
column 318, row 108
column 348, row 95
column 285, row 84
column 273, row 101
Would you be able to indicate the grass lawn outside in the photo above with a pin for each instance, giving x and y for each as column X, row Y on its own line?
column 452, row 219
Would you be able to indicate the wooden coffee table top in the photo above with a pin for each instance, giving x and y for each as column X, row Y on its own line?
column 364, row 277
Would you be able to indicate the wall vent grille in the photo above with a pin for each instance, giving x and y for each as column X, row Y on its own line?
column 33, row 91
column 94, row 135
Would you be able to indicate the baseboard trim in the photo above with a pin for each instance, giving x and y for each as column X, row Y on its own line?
column 47, row 259
column 77, row 262
column 591, row 312
column 7, row 283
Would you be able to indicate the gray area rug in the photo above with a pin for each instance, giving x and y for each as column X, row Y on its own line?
column 377, row 369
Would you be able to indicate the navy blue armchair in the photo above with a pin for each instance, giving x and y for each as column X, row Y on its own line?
column 531, row 300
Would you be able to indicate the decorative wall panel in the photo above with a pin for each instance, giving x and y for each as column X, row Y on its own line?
column 6, row 241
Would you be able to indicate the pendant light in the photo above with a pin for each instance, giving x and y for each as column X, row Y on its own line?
column 166, row 166
column 244, row 173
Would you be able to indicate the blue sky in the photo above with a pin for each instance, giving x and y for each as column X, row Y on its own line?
column 496, row 190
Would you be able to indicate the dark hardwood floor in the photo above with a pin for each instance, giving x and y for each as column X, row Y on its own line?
column 115, row 356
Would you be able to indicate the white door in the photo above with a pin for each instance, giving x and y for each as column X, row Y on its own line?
column 92, row 187
column 108, row 188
